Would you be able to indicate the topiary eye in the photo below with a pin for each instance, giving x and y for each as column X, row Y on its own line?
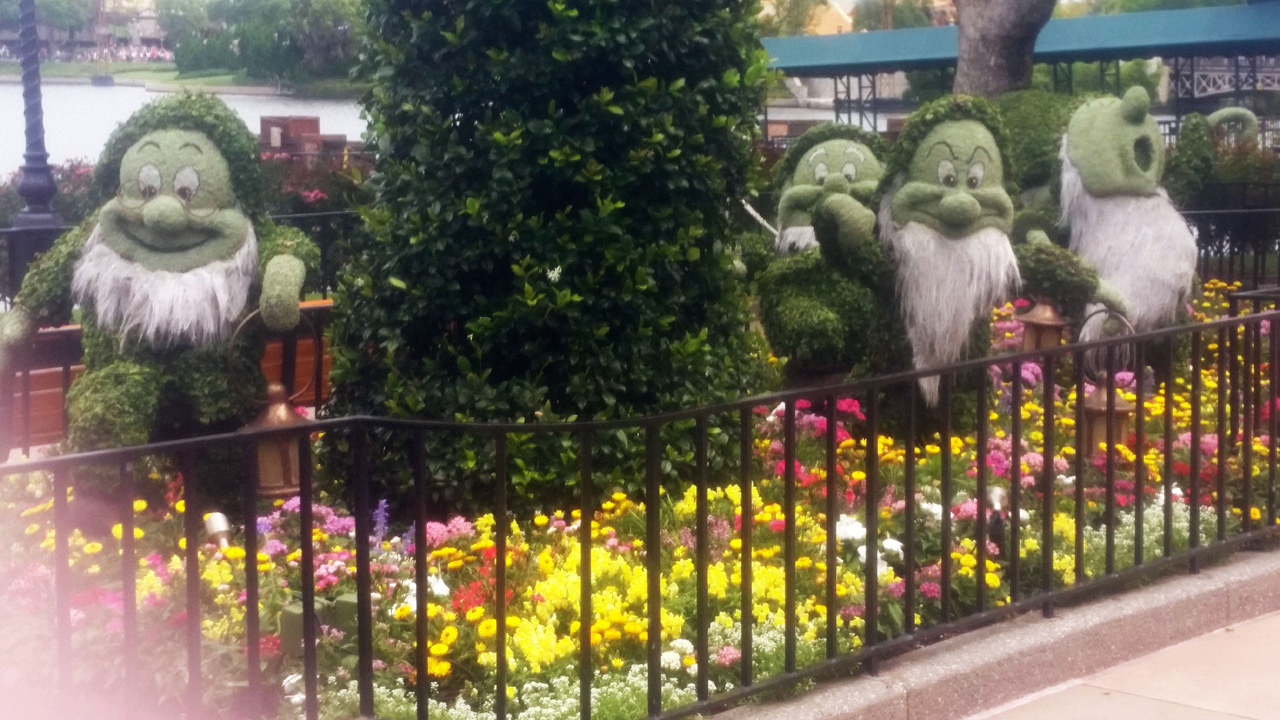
column 820, row 172
column 186, row 182
column 148, row 181
column 947, row 173
column 977, row 171
column 850, row 171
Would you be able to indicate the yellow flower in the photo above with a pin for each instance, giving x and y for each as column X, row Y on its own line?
column 488, row 628
column 33, row 528
column 1255, row 513
column 180, row 506
column 233, row 553
column 475, row 614
column 403, row 611
column 92, row 548
column 993, row 580
column 449, row 635
column 439, row 649
column 438, row 668
column 139, row 505
column 540, row 520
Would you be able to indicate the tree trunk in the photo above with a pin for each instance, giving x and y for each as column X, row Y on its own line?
column 997, row 38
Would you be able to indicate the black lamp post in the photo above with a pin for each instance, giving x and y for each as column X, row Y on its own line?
column 37, row 221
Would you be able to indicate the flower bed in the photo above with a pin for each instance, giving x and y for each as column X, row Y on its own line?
column 542, row 619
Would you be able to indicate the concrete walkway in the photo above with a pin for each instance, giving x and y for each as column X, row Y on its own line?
column 1229, row 674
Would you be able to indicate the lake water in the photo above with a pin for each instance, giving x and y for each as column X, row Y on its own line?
column 79, row 118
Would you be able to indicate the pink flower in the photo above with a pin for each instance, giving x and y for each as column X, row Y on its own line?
column 931, row 590
column 777, row 525
column 728, row 655
column 850, row 406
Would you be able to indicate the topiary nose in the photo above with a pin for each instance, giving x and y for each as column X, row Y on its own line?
column 164, row 214
column 958, row 210
column 836, row 183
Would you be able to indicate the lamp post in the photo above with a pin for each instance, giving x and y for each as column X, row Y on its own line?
column 1042, row 327
column 38, row 220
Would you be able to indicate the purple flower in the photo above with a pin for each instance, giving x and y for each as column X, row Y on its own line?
column 380, row 520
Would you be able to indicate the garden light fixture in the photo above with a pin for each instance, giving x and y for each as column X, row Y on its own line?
column 218, row 528
column 1097, row 417
column 278, row 461
column 1042, row 327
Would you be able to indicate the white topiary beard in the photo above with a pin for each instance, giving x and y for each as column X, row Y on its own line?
column 944, row 285
column 1139, row 244
column 160, row 307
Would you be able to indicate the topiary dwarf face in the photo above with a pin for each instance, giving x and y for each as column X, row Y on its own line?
column 828, row 175
column 175, row 209
column 841, row 166
column 1115, row 145
column 955, row 182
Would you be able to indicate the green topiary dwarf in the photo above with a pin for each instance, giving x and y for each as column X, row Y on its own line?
column 179, row 253
column 1121, row 220
column 820, row 304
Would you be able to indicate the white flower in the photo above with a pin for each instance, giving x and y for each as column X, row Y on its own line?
column 933, row 510
column 848, row 528
column 682, row 646
column 437, row 586
column 1176, row 492
column 1066, row 480
column 671, row 661
column 892, row 548
column 1024, row 516
column 554, row 274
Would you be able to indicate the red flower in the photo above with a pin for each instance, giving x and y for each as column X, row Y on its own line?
column 269, row 647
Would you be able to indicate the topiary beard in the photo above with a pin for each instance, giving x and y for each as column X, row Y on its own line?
column 1140, row 245
column 163, row 308
column 944, row 285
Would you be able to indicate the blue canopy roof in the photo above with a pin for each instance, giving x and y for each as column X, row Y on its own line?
column 1252, row 29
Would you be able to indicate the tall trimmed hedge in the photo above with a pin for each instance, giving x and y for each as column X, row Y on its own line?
column 550, row 237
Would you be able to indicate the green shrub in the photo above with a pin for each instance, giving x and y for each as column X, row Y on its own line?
column 550, row 231
column 1036, row 121
column 1191, row 163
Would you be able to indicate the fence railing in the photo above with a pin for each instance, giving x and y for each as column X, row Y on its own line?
column 33, row 395
column 1021, row 490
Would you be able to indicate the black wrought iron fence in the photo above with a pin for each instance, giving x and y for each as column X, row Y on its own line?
column 1075, row 504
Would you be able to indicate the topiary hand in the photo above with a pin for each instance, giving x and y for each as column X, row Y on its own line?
column 16, row 328
column 842, row 225
column 281, row 288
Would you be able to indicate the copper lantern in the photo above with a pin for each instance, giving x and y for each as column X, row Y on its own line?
column 1096, row 417
column 1042, row 327
column 278, row 458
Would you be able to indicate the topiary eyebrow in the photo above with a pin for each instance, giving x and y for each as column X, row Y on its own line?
column 949, row 148
column 192, row 146
column 974, row 154
column 151, row 143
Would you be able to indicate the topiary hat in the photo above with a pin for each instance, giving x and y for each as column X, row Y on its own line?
column 189, row 111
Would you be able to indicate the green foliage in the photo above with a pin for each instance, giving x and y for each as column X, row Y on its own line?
column 756, row 251
column 1037, row 119
column 188, row 111
column 1085, row 78
column 789, row 17
column 927, row 85
column 268, row 39
column 815, row 316
column 1191, row 162
column 921, row 122
column 870, row 14
column 68, row 15
column 550, row 237
column 1055, row 274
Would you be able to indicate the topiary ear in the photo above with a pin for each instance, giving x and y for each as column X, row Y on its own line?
column 1135, row 104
